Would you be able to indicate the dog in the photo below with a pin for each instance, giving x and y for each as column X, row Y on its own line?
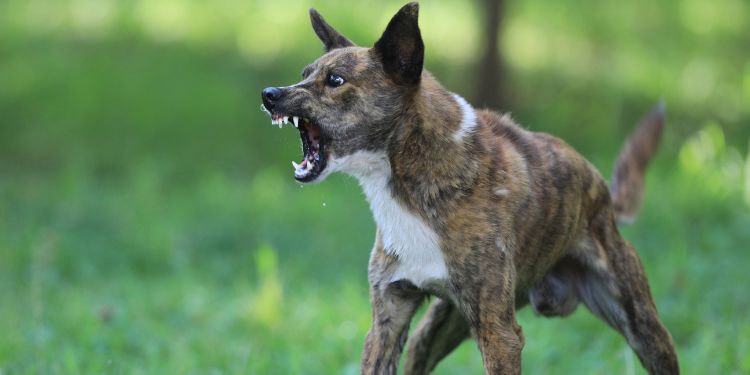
column 470, row 208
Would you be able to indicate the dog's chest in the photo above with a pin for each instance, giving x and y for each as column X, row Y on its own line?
column 406, row 236
column 403, row 233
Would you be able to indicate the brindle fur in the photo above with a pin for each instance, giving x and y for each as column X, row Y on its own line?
column 521, row 216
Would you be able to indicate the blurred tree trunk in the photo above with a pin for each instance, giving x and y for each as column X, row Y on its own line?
column 491, row 85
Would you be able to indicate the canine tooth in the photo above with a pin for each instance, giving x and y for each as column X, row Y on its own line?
column 295, row 165
column 280, row 124
column 295, row 120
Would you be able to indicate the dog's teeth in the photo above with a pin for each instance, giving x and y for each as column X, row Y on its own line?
column 295, row 120
column 280, row 124
column 295, row 165
column 286, row 119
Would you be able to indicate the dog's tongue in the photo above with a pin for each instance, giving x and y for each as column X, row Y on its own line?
column 312, row 155
column 313, row 134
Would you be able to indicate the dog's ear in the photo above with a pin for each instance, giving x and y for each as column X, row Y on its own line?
column 401, row 48
column 330, row 37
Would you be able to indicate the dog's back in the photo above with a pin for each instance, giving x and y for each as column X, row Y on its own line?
column 551, row 191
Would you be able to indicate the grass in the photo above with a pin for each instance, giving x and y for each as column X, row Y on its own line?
column 149, row 222
column 147, row 277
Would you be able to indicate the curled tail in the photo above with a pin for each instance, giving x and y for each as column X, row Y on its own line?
column 626, row 188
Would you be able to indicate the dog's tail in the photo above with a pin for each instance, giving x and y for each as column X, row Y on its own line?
column 626, row 188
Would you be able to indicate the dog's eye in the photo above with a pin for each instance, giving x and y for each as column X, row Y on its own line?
column 334, row 80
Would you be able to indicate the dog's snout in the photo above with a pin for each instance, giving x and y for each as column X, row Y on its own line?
column 270, row 96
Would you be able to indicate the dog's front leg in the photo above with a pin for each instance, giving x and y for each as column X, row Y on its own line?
column 393, row 305
column 486, row 296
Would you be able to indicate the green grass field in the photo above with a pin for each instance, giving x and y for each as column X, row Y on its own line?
column 150, row 224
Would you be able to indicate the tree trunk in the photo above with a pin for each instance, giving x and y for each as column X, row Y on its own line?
column 491, row 86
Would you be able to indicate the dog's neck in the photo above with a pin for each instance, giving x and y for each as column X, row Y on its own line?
column 434, row 156
column 441, row 113
column 431, row 158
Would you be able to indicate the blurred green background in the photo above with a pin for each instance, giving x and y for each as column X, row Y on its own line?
column 150, row 224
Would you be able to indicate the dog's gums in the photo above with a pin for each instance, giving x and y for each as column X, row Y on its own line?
column 313, row 160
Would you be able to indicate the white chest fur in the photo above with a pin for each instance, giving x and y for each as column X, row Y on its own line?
column 404, row 234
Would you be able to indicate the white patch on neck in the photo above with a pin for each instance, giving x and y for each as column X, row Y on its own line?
column 468, row 119
column 404, row 234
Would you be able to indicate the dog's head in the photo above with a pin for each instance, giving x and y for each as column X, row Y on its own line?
column 351, row 98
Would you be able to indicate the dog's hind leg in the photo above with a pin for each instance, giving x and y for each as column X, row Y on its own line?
column 613, row 286
column 440, row 331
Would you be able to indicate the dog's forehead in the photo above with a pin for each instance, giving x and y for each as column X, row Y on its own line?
column 347, row 59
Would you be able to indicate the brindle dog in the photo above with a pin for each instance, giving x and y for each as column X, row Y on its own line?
column 470, row 207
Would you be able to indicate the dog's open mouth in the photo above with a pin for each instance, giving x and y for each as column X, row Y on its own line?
column 313, row 150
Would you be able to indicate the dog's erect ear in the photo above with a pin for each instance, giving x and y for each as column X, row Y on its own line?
column 330, row 37
column 401, row 48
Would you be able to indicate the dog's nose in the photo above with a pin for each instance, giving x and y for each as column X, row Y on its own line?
column 270, row 96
